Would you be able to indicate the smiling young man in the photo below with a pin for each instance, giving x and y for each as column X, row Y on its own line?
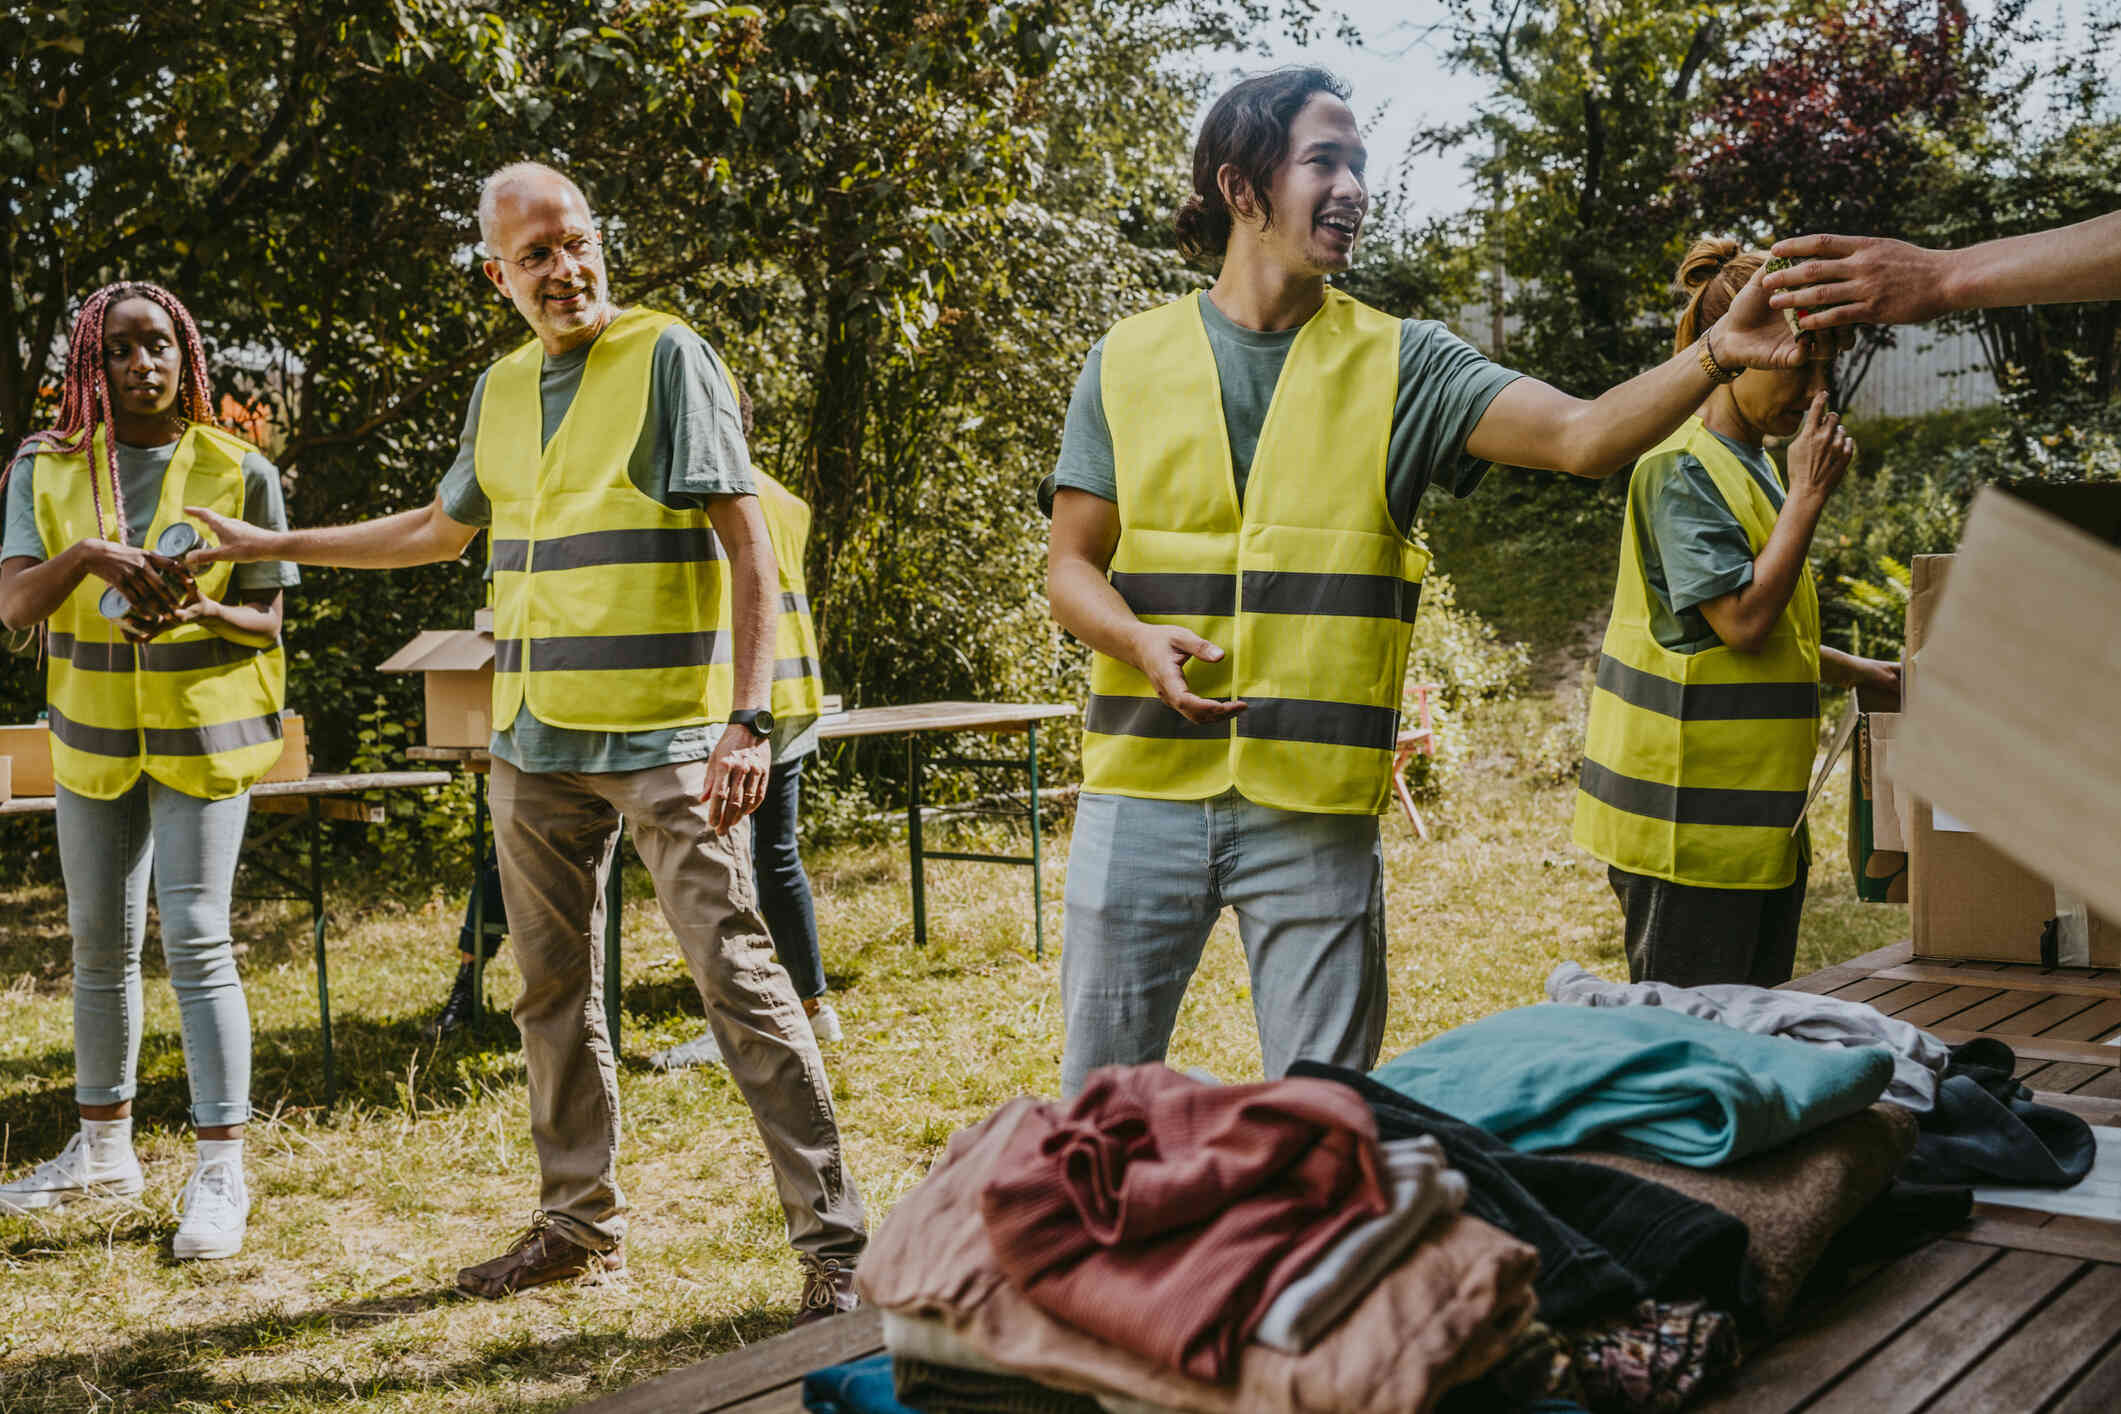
column 608, row 460
column 1238, row 479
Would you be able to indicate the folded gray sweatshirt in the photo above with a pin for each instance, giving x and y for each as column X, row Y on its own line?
column 1918, row 1057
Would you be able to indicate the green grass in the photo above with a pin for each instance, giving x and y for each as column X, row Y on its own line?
column 342, row 1298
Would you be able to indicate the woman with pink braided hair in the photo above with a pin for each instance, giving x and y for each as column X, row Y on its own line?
column 163, row 696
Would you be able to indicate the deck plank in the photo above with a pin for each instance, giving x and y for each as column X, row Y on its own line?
column 1996, row 1015
column 1947, row 1005
column 2060, row 982
column 2098, row 1389
column 1929, row 1355
column 730, row 1381
column 1783, row 1375
column 2041, row 1360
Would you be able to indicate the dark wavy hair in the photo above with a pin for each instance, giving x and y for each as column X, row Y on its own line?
column 1247, row 128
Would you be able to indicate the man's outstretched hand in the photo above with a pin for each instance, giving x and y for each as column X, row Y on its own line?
column 1847, row 280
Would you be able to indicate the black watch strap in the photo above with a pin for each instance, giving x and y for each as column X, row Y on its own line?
column 759, row 720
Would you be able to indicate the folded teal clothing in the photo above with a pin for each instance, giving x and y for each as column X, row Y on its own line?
column 1638, row 1080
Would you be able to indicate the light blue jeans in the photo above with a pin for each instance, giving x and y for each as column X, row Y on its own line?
column 107, row 851
column 1147, row 880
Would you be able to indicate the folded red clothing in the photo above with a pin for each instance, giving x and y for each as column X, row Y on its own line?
column 1165, row 1214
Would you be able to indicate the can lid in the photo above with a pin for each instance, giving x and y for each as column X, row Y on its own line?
column 114, row 605
column 178, row 539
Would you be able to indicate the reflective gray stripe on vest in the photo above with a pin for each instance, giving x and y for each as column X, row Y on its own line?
column 1177, row 593
column 792, row 603
column 184, row 657
column 1264, row 719
column 91, row 657
column 1362, row 596
column 607, row 652
column 785, row 668
column 1147, row 716
column 1326, row 723
column 94, row 741
column 205, row 741
column 1691, row 805
column 1708, row 701
column 657, row 546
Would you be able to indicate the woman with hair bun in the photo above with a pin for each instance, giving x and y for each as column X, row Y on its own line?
column 164, row 694
column 1705, row 716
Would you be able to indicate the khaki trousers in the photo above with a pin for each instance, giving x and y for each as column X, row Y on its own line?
column 555, row 833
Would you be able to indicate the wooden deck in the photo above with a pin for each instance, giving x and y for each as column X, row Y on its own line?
column 2017, row 1313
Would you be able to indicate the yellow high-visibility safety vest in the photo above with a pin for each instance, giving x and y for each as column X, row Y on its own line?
column 609, row 607
column 193, row 710
column 1308, row 586
column 798, row 681
column 1696, row 764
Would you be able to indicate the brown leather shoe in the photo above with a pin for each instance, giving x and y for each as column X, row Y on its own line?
column 828, row 1291
column 543, row 1254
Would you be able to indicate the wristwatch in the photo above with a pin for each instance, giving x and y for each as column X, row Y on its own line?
column 759, row 720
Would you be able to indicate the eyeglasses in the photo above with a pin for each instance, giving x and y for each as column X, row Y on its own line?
column 542, row 260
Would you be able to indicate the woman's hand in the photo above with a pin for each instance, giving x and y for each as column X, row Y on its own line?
column 1752, row 334
column 1820, row 453
column 136, row 573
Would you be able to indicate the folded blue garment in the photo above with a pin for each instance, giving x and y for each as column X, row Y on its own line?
column 1639, row 1080
column 859, row 1387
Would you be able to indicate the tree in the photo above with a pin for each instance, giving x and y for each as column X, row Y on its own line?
column 1850, row 117
column 1591, row 101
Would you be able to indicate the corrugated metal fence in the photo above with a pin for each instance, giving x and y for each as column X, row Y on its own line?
column 1926, row 371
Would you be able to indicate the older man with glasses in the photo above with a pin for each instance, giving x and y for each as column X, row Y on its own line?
column 608, row 460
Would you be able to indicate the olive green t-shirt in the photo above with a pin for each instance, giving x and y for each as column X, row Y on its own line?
column 1445, row 386
column 1693, row 548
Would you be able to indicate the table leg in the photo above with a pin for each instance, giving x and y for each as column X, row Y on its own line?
column 913, row 839
column 1038, row 911
column 614, row 905
column 316, row 920
column 478, row 898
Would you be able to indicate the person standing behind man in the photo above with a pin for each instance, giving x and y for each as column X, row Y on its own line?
column 1705, row 716
column 606, row 457
column 776, row 848
column 1237, row 483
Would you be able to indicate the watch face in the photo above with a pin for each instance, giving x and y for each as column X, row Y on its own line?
column 762, row 722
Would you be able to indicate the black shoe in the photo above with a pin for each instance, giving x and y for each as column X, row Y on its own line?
column 462, row 1006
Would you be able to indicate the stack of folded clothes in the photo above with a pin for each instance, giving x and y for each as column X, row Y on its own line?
column 1164, row 1243
column 1598, row 1203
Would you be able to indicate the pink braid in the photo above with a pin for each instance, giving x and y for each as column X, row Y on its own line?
column 84, row 395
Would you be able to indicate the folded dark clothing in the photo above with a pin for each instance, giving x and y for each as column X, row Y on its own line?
column 1986, row 1128
column 858, row 1387
column 1606, row 1238
column 1795, row 1198
column 1898, row 1221
column 949, row 1389
column 1538, row 1372
column 1656, row 1359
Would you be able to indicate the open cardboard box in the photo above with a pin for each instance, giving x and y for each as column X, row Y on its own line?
column 458, row 668
column 2009, row 741
column 26, row 757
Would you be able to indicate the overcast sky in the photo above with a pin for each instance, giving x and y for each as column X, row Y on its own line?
column 1401, row 84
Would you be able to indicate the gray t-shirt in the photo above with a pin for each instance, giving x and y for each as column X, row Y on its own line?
column 1693, row 548
column 140, row 473
column 1445, row 385
column 691, row 448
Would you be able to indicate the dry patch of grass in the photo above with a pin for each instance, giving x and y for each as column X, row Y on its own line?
column 342, row 1298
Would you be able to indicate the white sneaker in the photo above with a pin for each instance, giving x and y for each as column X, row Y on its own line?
column 825, row 1024
column 70, row 1177
column 213, row 1211
column 700, row 1050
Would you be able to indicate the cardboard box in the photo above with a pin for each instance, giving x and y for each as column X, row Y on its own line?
column 2011, row 733
column 7, row 779
column 293, row 764
column 29, row 753
column 458, row 664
